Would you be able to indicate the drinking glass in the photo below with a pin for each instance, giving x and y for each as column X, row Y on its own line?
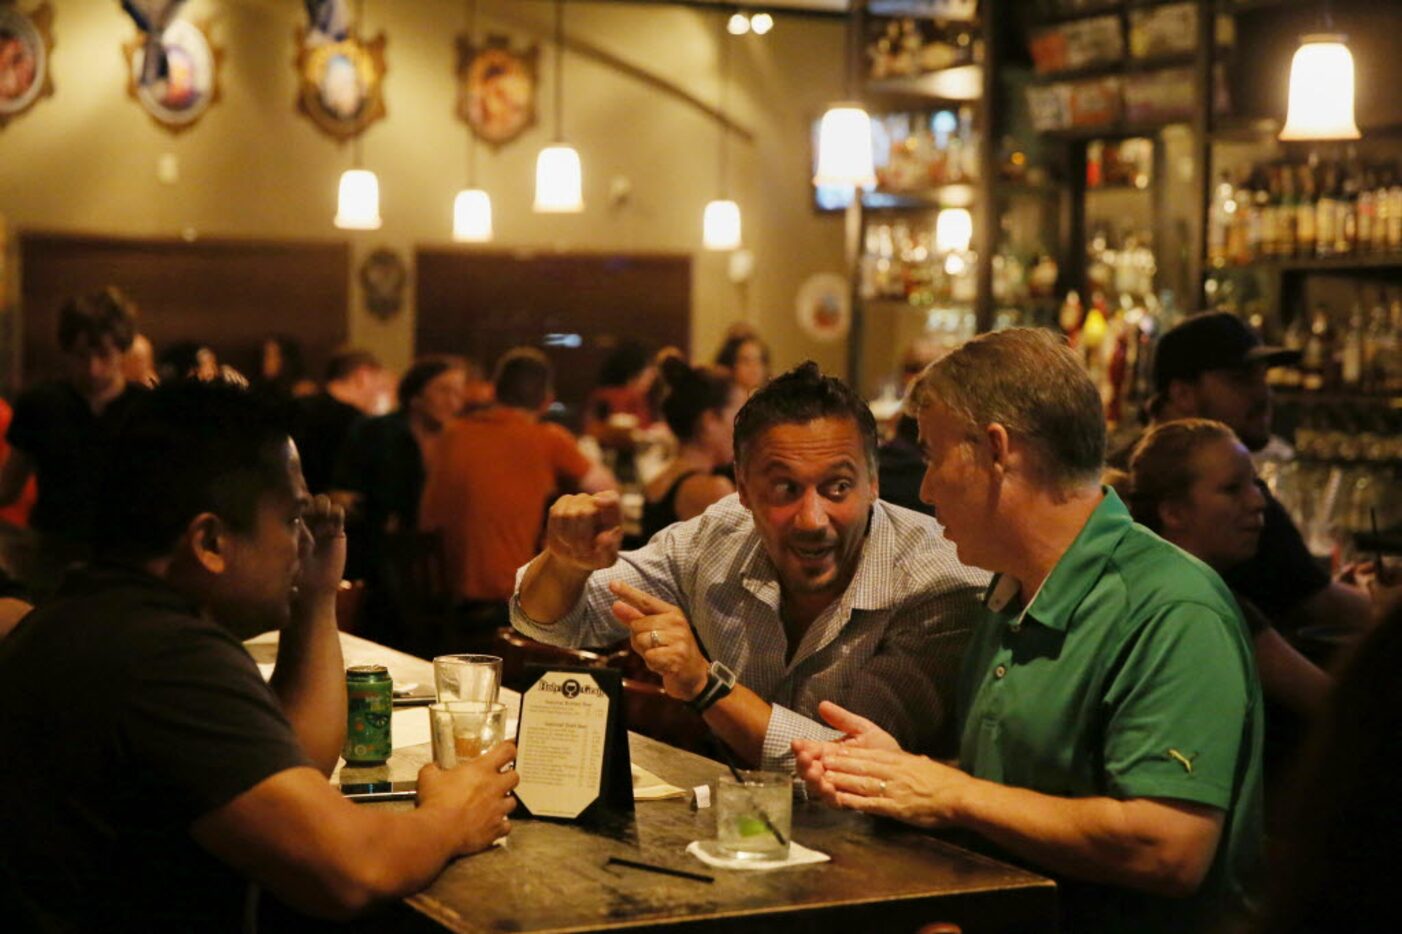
column 463, row 730
column 467, row 677
column 746, row 810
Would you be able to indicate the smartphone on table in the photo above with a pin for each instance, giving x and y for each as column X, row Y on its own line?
column 379, row 791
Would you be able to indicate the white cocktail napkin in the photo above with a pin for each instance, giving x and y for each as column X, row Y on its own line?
column 799, row 855
column 649, row 787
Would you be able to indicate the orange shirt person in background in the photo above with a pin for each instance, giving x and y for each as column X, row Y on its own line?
column 494, row 472
column 17, row 513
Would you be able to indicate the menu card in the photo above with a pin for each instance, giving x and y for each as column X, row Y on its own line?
column 572, row 744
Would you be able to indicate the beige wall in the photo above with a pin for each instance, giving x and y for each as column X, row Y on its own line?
column 85, row 159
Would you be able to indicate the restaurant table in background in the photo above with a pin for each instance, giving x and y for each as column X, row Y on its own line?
column 553, row 877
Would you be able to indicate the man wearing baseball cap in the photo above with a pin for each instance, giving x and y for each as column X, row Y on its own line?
column 1211, row 365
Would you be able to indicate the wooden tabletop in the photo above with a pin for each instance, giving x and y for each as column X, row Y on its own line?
column 552, row 876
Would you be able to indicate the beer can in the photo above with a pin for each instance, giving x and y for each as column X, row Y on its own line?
column 369, row 704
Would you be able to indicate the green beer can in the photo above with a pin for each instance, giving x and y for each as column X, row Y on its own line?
column 369, row 704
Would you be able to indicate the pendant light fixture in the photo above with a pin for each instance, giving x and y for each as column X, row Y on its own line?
column 472, row 208
column 558, row 177
column 720, row 224
column 358, row 199
column 1321, row 90
column 844, row 135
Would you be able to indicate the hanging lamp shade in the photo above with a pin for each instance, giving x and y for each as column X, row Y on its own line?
column 472, row 216
column 720, row 226
column 954, row 230
column 1321, row 90
column 358, row 204
column 844, row 148
column 559, row 181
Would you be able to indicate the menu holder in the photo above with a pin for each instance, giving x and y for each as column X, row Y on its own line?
column 572, row 745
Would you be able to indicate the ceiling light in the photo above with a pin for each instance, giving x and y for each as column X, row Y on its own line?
column 559, row 179
column 1321, row 90
column 844, row 148
column 358, row 202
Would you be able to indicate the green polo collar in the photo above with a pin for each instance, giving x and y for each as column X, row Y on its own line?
column 1078, row 569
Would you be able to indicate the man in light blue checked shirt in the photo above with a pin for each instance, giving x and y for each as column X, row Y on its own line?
column 803, row 586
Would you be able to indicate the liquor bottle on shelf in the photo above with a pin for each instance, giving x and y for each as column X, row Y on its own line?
column 1257, row 198
column 1239, row 229
column 1346, row 234
column 1351, row 351
column 1305, row 209
column 1286, row 207
column 1392, row 354
column 1367, row 213
column 1268, row 202
column 1319, row 351
column 1379, row 343
column 1296, row 337
column 1328, row 218
column 1219, row 221
column 1382, row 209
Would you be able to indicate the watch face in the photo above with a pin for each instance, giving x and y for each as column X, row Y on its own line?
column 723, row 674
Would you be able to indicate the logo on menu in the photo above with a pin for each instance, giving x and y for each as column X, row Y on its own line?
column 570, row 688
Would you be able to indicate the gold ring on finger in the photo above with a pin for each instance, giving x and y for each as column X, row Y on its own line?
column 656, row 638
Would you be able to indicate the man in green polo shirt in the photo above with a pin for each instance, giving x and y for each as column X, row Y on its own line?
column 1110, row 705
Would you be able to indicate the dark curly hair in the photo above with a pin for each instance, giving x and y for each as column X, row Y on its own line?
column 692, row 392
column 802, row 395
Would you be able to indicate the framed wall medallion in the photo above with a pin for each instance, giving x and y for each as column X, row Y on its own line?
column 383, row 277
column 26, row 41
column 496, row 88
column 823, row 306
column 339, row 79
column 178, row 91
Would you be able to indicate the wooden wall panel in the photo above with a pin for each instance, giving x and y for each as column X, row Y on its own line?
column 483, row 303
column 228, row 294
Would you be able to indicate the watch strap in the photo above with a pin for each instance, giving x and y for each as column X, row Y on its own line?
column 715, row 689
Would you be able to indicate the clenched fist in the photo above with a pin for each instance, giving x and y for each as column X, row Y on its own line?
column 585, row 530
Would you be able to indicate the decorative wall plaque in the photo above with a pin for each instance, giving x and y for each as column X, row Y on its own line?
column 496, row 88
column 26, row 40
column 383, row 277
column 339, row 76
column 178, row 90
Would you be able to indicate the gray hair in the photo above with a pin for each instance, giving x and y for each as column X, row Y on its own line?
column 1031, row 383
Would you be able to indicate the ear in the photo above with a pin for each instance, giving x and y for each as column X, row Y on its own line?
column 1172, row 516
column 999, row 448
column 740, row 487
column 1183, row 397
column 204, row 540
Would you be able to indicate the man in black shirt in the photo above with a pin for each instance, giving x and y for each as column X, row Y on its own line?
column 151, row 773
column 1212, row 366
column 61, row 429
column 322, row 422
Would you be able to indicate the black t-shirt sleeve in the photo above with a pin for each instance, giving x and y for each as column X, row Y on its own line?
column 200, row 716
column 1283, row 574
column 351, row 468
